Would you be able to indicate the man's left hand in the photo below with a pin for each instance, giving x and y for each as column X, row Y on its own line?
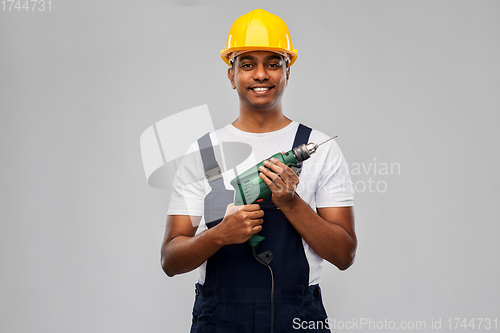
column 282, row 182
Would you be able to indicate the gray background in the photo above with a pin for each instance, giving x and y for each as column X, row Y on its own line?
column 408, row 82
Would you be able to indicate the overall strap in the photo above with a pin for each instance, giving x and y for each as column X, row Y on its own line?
column 210, row 165
column 302, row 135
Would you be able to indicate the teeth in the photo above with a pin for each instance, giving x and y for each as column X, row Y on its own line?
column 260, row 89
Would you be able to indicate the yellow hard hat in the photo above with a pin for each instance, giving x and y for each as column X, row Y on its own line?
column 259, row 30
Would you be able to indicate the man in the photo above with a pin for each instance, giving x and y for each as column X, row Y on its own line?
column 304, row 222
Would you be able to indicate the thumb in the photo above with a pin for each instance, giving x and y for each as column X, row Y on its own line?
column 231, row 209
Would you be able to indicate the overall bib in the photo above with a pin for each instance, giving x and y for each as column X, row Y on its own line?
column 237, row 290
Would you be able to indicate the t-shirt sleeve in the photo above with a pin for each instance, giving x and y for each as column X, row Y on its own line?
column 335, row 188
column 188, row 192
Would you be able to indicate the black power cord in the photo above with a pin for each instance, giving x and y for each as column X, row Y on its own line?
column 265, row 259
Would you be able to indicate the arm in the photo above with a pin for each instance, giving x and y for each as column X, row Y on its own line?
column 330, row 233
column 182, row 251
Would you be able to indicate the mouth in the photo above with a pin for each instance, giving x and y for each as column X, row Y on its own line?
column 260, row 90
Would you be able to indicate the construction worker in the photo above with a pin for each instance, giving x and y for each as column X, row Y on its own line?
column 308, row 218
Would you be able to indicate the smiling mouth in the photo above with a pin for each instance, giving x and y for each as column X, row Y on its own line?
column 260, row 89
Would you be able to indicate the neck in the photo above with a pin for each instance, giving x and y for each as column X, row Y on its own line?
column 261, row 121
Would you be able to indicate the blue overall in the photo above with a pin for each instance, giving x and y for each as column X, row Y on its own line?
column 237, row 290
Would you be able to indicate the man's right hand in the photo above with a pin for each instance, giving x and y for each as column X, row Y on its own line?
column 240, row 223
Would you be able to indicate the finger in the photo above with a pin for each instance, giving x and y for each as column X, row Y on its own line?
column 256, row 214
column 269, row 182
column 256, row 229
column 274, row 166
column 285, row 168
column 287, row 175
column 236, row 209
column 272, row 180
column 290, row 172
column 277, row 184
column 283, row 171
column 229, row 209
column 277, row 162
column 257, row 222
column 251, row 207
column 271, row 175
column 291, row 176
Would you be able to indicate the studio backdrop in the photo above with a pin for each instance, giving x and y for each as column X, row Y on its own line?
column 411, row 88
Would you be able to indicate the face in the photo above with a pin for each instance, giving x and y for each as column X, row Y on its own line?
column 260, row 78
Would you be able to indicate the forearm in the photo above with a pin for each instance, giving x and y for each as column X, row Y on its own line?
column 184, row 253
column 329, row 240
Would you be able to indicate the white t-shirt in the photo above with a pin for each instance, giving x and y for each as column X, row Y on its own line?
column 324, row 179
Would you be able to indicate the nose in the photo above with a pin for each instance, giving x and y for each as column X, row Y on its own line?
column 260, row 73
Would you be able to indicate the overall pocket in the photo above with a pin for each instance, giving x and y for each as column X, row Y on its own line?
column 205, row 317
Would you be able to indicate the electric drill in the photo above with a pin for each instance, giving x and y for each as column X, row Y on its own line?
column 249, row 188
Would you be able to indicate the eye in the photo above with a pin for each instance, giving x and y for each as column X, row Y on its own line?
column 275, row 65
column 246, row 65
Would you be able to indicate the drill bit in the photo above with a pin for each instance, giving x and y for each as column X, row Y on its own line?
column 327, row 140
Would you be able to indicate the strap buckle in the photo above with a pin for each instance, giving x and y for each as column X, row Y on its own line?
column 213, row 174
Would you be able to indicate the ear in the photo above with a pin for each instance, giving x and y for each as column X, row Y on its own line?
column 287, row 75
column 230, row 76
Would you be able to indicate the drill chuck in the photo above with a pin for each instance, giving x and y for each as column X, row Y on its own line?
column 303, row 152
